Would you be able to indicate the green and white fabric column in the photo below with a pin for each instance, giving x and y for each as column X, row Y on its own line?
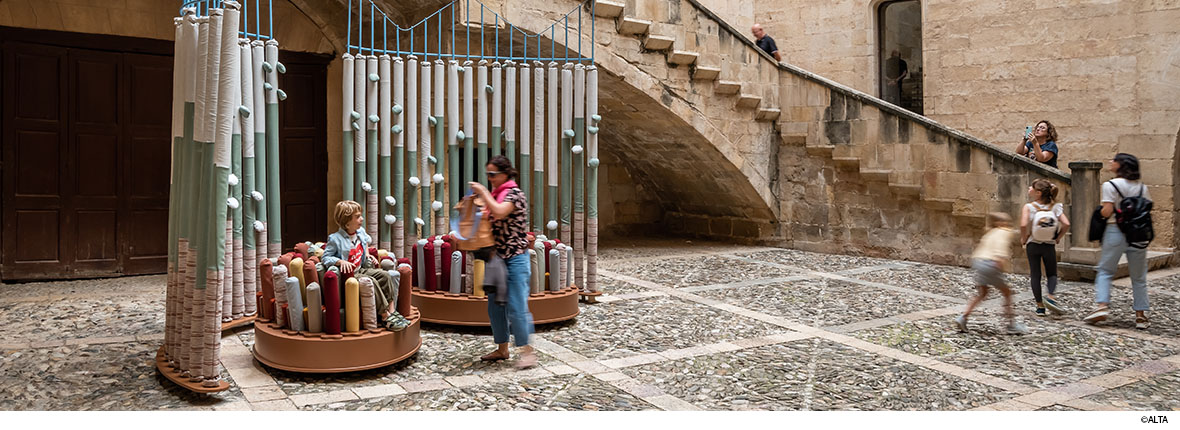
column 350, row 115
column 454, row 175
column 495, row 87
column 525, row 167
column 275, row 229
column 385, row 110
column 592, row 163
column 250, row 265
column 439, row 160
column 425, row 120
column 399, row 155
column 567, row 136
column 372, row 146
column 485, row 90
column 510, row 113
column 183, row 99
column 187, row 238
column 551, row 168
column 207, row 293
column 360, row 143
column 579, row 169
column 411, row 111
column 538, row 196
column 258, row 53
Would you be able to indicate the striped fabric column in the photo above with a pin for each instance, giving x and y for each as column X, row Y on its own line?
column 275, row 229
column 349, row 115
column 249, row 252
column 592, row 179
column 372, row 146
column 399, row 156
column 385, row 110
column 577, row 165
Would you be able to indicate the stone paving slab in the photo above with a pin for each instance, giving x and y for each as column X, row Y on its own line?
column 445, row 352
column 1169, row 284
column 1155, row 393
column 813, row 260
column 622, row 250
column 824, row 302
column 72, row 318
column 811, row 374
column 557, row 393
column 652, row 325
column 119, row 376
column 694, row 271
column 86, row 288
column 1052, row 354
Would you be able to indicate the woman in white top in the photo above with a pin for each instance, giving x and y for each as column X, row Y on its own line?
column 1042, row 224
column 1114, row 243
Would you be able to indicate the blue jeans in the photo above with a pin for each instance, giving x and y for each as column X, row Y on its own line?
column 1114, row 244
column 515, row 315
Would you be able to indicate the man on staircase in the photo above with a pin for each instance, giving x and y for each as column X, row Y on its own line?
column 766, row 43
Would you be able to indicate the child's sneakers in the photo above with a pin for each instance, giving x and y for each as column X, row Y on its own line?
column 1016, row 328
column 396, row 322
column 961, row 323
column 1097, row 316
column 1040, row 311
column 1053, row 307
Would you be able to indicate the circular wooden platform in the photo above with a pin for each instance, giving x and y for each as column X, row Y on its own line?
column 461, row 309
column 196, row 387
column 347, row 352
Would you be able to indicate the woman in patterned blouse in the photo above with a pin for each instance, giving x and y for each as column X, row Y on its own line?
column 509, row 209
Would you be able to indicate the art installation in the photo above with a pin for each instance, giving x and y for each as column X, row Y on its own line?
column 436, row 115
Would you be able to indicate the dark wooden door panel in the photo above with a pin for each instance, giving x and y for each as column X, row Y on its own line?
column 303, row 150
column 147, row 143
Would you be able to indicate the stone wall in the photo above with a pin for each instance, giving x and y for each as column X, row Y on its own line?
column 1106, row 73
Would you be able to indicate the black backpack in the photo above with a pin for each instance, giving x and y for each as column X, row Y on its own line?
column 1133, row 216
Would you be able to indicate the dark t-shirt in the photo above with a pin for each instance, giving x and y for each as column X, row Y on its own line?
column 1050, row 146
column 895, row 67
column 767, row 44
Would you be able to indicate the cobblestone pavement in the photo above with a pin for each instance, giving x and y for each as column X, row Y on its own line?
column 684, row 325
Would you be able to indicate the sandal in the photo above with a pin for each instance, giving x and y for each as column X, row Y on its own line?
column 494, row 356
column 1141, row 322
column 1098, row 315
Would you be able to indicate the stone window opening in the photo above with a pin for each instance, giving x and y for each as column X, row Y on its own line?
column 899, row 53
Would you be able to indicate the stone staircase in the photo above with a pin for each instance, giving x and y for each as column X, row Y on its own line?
column 682, row 35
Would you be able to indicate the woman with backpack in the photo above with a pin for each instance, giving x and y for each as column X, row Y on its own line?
column 1042, row 224
column 1127, row 231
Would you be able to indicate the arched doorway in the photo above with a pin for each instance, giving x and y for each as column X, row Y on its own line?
column 899, row 53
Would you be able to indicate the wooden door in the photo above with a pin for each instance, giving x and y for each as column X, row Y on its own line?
column 147, row 155
column 303, row 150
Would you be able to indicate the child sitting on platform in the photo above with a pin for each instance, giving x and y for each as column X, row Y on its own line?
column 347, row 249
column 990, row 260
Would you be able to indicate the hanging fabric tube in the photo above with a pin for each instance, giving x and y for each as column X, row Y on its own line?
column 579, row 169
column 399, row 155
column 592, row 163
column 551, row 199
column 411, row 112
column 385, row 110
column 348, row 94
column 440, row 148
column 567, row 135
column 510, row 114
column 235, row 259
column 258, row 54
column 275, row 229
column 481, row 83
column 538, row 200
column 425, row 120
column 372, row 117
column 453, row 136
column 468, row 127
column 360, row 148
column 494, row 87
column 525, row 168
column 250, row 265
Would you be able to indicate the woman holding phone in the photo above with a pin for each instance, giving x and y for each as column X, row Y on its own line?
column 1040, row 143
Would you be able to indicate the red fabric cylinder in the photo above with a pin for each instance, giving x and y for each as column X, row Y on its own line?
column 266, row 276
column 431, row 279
column 301, row 250
column 309, row 273
column 413, row 268
column 446, row 266
column 403, row 291
column 331, row 293
column 285, row 260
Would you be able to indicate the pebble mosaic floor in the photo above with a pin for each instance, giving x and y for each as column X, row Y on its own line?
column 683, row 325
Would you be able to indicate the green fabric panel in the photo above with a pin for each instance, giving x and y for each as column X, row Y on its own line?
column 510, row 152
column 383, row 230
column 592, row 192
column 201, row 208
column 426, row 226
column 236, row 190
column 566, row 179
column 348, row 164
column 220, row 192
column 538, row 202
column 481, row 170
column 552, row 204
column 468, row 161
column 496, row 131
column 399, row 181
column 275, row 226
column 579, row 164
column 260, row 178
column 248, row 216
column 372, row 160
column 362, row 172
column 173, row 199
column 454, row 172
